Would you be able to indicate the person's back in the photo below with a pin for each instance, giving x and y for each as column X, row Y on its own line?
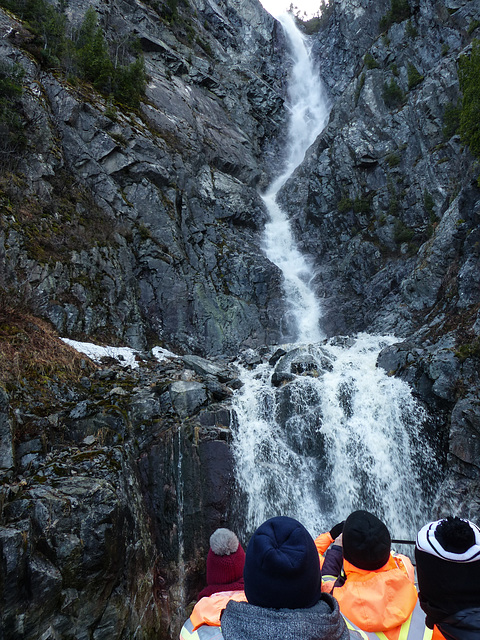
column 376, row 592
column 224, row 578
column 447, row 554
column 283, row 588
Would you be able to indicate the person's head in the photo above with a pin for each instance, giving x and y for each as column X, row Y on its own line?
column 447, row 554
column 366, row 541
column 282, row 567
column 225, row 559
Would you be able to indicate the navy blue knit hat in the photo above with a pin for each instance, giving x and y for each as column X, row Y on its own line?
column 282, row 567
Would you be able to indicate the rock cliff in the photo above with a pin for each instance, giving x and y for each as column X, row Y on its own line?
column 387, row 203
column 161, row 236
column 142, row 227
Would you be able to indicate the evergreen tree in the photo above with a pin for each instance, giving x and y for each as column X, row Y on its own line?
column 130, row 82
column 12, row 134
column 469, row 76
column 92, row 53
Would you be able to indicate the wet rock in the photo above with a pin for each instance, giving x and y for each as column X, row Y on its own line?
column 465, row 435
column 6, row 443
column 276, row 357
column 187, row 397
column 205, row 367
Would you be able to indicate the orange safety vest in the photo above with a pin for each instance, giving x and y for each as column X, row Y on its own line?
column 204, row 622
column 202, row 633
column 413, row 628
column 437, row 634
column 378, row 601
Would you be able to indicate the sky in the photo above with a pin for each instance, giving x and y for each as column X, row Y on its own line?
column 275, row 7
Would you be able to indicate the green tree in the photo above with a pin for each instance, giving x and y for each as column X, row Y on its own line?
column 469, row 76
column 393, row 94
column 399, row 11
column 92, row 53
column 414, row 76
column 451, row 120
column 12, row 134
column 129, row 83
column 370, row 61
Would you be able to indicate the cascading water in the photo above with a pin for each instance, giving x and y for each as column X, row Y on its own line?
column 321, row 431
column 309, row 111
column 342, row 435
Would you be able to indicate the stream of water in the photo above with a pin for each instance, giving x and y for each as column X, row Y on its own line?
column 344, row 435
column 309, row 110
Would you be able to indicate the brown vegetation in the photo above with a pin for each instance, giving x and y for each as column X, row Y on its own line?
column 30, row 349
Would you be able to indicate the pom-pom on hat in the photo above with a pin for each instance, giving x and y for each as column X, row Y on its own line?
column 366, row 541
column 225, row 561
column 451, row 538
column 282, row 567
column 223, row 542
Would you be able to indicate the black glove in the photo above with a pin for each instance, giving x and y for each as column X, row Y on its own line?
column 337, row 529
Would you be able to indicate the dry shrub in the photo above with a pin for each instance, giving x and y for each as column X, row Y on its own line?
column 31, row 350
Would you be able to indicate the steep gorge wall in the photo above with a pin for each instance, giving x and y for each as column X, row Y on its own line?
column 145, row 228
column 160, row 236
column 138, row 228
column 387, row 204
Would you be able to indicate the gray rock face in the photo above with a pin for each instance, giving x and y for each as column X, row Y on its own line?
column 173, row 236
column 374, row 202
column 102, row 525
column 6, row 440
column 144, row 227
column 187, row 397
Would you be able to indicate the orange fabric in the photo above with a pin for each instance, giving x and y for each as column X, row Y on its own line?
column 379, row 600
column 437, row 635
column 207, row 610
column 322, row 542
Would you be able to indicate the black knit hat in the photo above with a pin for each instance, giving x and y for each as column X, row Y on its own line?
column 366, row 541
column 282, row 567
column 447, row 555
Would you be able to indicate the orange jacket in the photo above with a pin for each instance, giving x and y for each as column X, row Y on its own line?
column 322, row 542
column 437, row 635
column 378, row 600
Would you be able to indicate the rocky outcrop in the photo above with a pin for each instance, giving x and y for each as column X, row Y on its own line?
column 112, row 500
column 445, row 379
column 381, row 200
column 143, row 227
column 160, row 233
column 6, row 434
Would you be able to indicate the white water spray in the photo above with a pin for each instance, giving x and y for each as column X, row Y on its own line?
column 340, row 438
column 308, row 114
column 344, row 435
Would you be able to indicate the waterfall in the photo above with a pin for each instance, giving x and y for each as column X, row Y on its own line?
column 309, row 109
column 339, row 437
column 334, row 433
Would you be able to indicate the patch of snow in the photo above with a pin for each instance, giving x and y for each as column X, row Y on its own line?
column 162, row 354
column 125, row 355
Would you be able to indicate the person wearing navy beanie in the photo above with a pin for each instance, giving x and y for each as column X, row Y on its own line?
column 282, row 570
column 282, row 579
